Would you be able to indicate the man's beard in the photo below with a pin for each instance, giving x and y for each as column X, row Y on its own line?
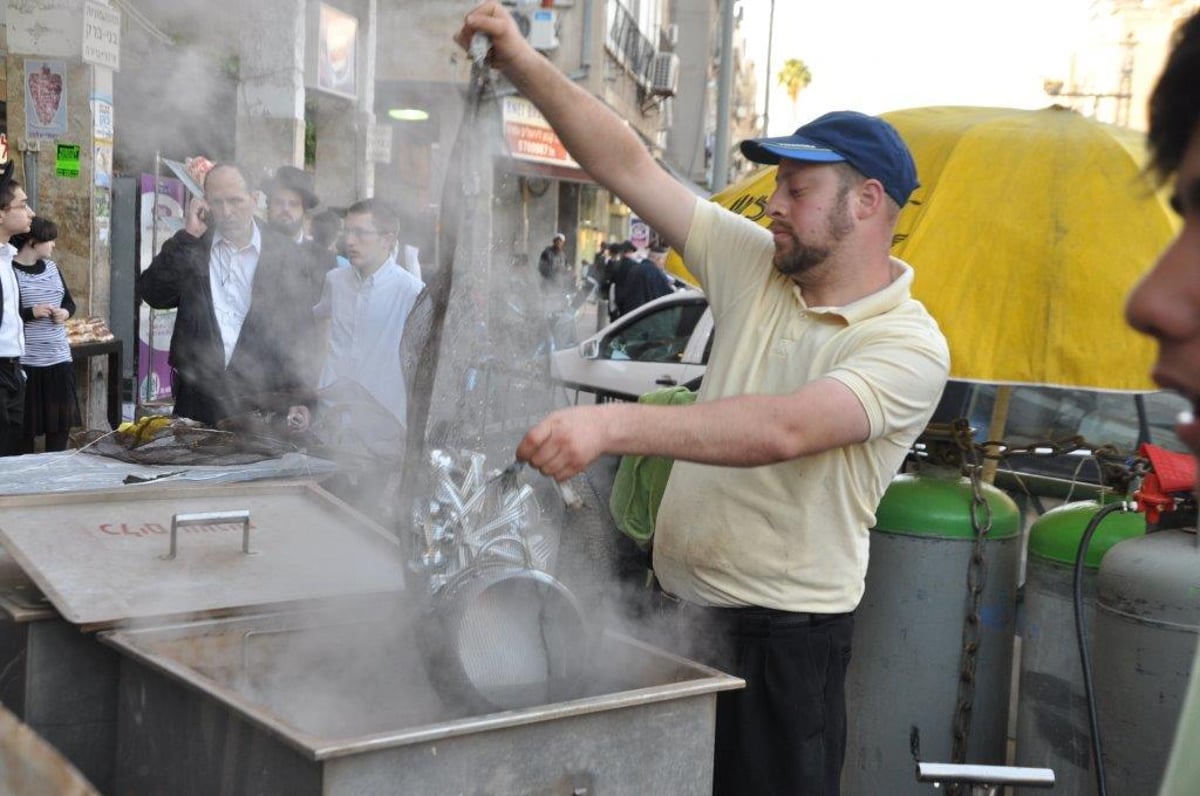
column 289, row 228
column 800, row 258
column 805, row 256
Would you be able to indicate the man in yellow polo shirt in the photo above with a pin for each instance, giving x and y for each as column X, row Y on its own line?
column 823, row 372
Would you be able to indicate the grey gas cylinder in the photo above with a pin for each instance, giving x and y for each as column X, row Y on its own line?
column 1147, row 618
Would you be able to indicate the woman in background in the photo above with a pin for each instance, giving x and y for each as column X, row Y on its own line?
column 50, row 404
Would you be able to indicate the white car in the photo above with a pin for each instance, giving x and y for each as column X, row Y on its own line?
column 662, row 343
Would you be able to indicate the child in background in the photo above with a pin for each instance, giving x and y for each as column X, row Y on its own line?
column 51, row 407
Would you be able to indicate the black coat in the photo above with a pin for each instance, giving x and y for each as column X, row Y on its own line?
column 268, row 366
column 643, row 282
column 320, row 262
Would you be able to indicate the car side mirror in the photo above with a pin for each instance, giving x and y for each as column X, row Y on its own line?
column 589, row 349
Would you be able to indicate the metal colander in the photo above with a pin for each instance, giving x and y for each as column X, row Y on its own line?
column 503, row 637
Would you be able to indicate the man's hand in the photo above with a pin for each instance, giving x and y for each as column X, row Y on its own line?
column 497, row 23
column 59, row 315
column 566, row 442
column 196, row 222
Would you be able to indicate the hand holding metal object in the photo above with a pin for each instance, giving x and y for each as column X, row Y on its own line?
column 570, row 497
column 480, row 44
column 566, row 492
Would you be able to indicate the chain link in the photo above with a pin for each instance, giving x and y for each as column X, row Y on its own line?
column 981, row 524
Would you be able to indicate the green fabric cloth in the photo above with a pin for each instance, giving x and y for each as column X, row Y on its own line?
column 638, row 488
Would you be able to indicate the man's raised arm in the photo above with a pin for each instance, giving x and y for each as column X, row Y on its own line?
column 602, row 143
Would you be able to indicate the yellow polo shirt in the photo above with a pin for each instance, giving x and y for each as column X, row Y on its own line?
column 793, row 535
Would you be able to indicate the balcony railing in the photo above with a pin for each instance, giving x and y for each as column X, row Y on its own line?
column 630, row 46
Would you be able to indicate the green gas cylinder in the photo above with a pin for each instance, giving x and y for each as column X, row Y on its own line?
column 908, row 640
column 1052, row 720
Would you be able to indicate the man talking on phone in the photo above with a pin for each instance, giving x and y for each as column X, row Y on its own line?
column 242, row 309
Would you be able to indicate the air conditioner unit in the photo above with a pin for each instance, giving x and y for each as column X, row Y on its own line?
column 664, row 74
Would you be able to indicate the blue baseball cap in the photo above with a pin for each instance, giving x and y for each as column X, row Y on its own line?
column 868, row 143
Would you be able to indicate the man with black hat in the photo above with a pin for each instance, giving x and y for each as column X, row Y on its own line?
column 290, row 196
column 616, row 285
column 645, row 281
column 823, row 371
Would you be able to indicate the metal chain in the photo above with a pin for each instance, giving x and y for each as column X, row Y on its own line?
column 998, row 449
column 981, row 523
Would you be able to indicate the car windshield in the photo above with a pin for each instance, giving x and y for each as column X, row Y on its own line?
column 1039, row 414
column 658, row 336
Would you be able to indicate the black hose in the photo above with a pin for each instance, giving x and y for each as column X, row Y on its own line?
column 1081, row 637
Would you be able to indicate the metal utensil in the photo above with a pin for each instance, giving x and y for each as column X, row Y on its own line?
column 566, row 492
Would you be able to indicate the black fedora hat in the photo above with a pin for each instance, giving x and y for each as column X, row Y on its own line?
column 297, row 180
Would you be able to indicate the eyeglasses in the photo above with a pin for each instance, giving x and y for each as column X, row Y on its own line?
column 356, row 232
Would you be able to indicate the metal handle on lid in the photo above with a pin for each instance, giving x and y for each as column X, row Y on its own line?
column 210, row 518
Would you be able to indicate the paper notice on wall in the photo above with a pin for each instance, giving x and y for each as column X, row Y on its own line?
column 102, row 116
column 103, row 163
column 103, row 215
column 66, row 161
column 45, row 98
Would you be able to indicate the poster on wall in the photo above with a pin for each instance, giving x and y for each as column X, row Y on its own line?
column 102, row 162
column 45, row 98
column 336, row 52
column 639, row 232
column 102, row 116
column 102, row 220
column 66, row 161
column 160, row 217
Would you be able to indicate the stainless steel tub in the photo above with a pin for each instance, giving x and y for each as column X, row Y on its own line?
column 99, row 559
column 295, row 703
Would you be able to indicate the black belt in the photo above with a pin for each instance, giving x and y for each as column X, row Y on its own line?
column 747, row 613
column 10, row 360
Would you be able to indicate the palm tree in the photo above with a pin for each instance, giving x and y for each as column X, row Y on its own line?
column 795, row 77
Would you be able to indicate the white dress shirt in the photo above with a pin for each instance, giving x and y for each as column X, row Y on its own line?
column 367, row 318
column 231, row 273
column 12, row 328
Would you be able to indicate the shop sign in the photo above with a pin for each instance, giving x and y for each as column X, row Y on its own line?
column 530, row 137
column 101, row 35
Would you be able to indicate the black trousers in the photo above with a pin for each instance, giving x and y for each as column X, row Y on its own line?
column 785, row 733
column 12, row 405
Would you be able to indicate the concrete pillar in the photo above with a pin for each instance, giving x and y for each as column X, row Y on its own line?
column 270, row 112
column 79, row 203
column 343, row 125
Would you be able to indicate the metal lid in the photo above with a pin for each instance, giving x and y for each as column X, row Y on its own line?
column 102, row 557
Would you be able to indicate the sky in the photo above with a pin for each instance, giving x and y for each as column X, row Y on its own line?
column 881, row 55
